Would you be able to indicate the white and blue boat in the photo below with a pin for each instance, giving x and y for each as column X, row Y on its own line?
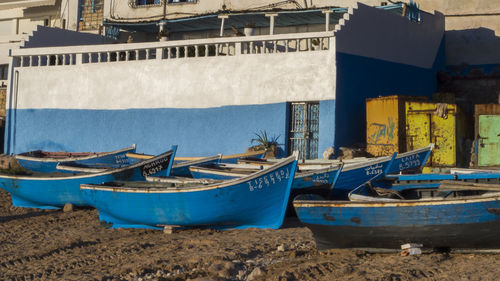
column 340, row 181
column 46, row 162
column 256, row 200
column 467, row 217
column 54, row 190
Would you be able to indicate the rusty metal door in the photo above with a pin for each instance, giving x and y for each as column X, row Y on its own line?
column 489, row 140
column 425, row 124
column 304, row 129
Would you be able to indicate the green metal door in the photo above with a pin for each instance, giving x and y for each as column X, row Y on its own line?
column 489, row 140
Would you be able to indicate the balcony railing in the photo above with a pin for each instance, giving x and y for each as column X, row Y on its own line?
column 182, row 49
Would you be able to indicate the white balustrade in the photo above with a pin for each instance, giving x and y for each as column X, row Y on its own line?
column 200, row 48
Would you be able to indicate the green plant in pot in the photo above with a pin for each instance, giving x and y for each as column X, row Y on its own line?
column 263, row 141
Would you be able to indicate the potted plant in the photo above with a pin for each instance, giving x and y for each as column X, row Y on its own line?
column 249, row 29
column 264, row 142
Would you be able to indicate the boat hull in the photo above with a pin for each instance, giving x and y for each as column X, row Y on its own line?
column 46, row 192
column 256, row 202
column 435, row 224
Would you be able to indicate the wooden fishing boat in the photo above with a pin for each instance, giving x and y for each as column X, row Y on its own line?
column 256, row 200
column 46, row 162
column 325, row 176
column 337, row 182
column 414, row 159
column 54, row 190
column 452, row 216
column 353, row 175
column 179, row 169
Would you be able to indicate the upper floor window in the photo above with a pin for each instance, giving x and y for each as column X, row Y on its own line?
column 141, row 3
column 181, row 1
column 3, row 71
column 147, row 2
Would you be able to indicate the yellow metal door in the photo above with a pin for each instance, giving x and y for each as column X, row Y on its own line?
column 382, row 126
column 432, row 123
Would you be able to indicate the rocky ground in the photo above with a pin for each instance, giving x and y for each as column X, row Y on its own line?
column 57, row 245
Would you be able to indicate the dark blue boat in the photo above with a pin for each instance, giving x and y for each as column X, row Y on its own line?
column 256, row 200
column 54, row 190
column 353, row 175
column 46, row 162
column 463, row 218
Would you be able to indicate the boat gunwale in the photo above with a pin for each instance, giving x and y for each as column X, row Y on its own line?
column 196, row 161
column 403, row 203
column 226, row 183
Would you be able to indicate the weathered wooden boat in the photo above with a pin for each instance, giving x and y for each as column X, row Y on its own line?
column 454, row 216
column 179, row 169
column 414, row 159
column 353, row 175
column 338, row 182
column 325, row 176
column 54, row 190
column 46, row 162
column 256, row 200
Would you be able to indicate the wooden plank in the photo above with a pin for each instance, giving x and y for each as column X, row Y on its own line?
column 460, row 185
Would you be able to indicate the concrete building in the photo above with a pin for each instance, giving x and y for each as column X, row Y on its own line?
column 212, row 95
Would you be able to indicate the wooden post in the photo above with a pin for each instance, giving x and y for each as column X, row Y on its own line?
column 327, row 19
column 222, row 17
column 271, row 22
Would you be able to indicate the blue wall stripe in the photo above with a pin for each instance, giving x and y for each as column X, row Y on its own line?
column 202, row 132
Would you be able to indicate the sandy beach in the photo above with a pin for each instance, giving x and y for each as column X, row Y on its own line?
column 56, row 245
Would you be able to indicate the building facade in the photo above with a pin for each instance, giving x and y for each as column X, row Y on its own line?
column 212, row 95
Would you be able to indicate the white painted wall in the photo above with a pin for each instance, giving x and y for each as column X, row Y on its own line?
column 379, row 34
column 181, row 83
column 69, row 12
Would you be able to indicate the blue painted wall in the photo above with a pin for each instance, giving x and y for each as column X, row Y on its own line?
column 326, row 125
column 203, row 132
column 359, row 78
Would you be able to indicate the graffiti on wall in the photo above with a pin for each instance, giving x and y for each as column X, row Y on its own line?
column 381, row 133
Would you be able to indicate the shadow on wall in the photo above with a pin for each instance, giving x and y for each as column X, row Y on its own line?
column 359, row 78
column 472, row 73
column 472, row 46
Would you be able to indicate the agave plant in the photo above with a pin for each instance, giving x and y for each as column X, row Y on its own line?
column 263, row 141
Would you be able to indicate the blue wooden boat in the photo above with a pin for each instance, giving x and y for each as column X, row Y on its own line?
column 462, row 218
column 256, row 200
column 179, row 169
column 353, row 175
column 414, row 160
column 339, row 182
column 46, row 162
column 54, row 190
column 303, row 179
